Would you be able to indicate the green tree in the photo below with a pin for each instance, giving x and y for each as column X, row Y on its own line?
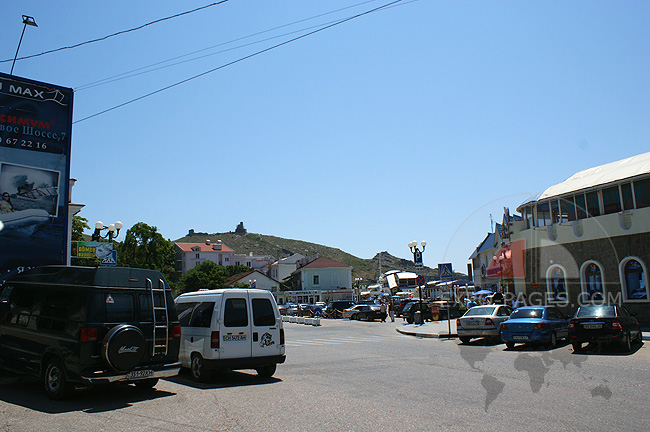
column 145, row 247
column 208, row 275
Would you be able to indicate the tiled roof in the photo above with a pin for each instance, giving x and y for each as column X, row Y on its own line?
column 325, row 263
column 187, row 247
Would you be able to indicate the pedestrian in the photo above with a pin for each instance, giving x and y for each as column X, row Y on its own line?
column 391, row 310
column 471, row 303
column 382, row 311
column 497, row 298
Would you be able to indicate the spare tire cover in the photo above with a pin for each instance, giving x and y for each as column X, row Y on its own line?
column 124, row 347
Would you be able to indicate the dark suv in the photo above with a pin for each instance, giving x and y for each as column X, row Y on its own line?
column 86, row 325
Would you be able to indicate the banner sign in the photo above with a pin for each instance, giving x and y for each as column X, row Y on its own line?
column 91, row 249
column 35, row 128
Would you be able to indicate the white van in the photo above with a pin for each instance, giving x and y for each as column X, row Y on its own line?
column 230, row 329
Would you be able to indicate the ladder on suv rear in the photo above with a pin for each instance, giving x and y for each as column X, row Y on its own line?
column 160, row 328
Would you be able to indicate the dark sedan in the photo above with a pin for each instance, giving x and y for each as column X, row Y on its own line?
column 366, row 312
column 604, row 323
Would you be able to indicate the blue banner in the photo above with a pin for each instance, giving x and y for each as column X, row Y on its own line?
column 35, row 129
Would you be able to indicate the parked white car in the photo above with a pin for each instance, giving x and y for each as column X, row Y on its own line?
column 482, row 322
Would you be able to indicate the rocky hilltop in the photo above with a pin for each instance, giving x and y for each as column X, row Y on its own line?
column 277, row 247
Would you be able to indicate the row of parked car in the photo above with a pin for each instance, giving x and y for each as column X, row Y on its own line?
column 594, row 323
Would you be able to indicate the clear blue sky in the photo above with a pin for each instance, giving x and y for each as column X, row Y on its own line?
column 412, row 123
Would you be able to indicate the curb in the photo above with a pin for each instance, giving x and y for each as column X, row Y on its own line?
column 426, row 335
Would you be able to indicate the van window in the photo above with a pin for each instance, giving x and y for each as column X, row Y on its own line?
column 263, row 313
column 120, row 307
column 184, row 313
column 146, row 309
column 235, row 313
column 22, row 303
column 56, row 310
column 202, row 314
column 5, row 293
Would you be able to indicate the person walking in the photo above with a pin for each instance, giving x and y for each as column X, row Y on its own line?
column 391, row 310
column 382, row 311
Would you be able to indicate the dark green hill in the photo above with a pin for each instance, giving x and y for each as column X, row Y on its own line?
column 278, row 247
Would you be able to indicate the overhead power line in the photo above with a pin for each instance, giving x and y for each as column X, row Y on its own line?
column 239, row 60
column 117, row 33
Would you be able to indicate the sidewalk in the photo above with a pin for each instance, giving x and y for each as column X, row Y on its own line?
column 440, row 329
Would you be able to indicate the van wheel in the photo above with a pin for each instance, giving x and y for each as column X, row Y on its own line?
column 57, row 386
column 197, row 368
column 266, row 371
column 146, row 383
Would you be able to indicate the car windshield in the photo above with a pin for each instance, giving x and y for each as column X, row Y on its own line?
column 476, row 311
column 527, row 313
column 596, row 311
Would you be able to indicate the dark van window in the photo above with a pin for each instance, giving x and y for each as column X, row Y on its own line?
column 22, row 303
column 184, row 313
column 263, row 314
column 56, row 310
column 202, row 314
column 120, row 307
column 235, row 313
column 146, row 309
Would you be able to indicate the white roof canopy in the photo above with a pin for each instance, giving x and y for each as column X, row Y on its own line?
column 600, row 175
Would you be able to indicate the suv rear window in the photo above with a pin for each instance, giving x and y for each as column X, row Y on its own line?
column 120, row 307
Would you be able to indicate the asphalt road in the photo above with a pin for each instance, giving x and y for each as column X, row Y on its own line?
column 358, row 376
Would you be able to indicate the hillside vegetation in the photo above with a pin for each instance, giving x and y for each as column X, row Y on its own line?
column 277, row 247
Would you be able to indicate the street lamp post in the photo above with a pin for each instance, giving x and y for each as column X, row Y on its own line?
column 113, row 231
column 417, row 260
column 27, row 21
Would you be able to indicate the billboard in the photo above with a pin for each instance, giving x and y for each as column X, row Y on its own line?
column 35, row 129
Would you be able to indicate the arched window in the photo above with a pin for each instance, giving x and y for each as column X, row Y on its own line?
column 634, row 284
column 556, row 284
column 592, row 282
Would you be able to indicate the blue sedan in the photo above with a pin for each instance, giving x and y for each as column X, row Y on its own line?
column 535, row 324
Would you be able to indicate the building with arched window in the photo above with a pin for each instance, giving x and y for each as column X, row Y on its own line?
column 587, row 239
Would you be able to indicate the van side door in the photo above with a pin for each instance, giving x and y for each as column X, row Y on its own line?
column 267, row 325
column 236, row 325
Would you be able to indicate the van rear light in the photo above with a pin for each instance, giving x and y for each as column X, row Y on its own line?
column 616, row 325
column 281, row 336
column 89, row 334
column 176, row 332
column 214, row 340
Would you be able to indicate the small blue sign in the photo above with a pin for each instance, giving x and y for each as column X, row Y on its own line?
column 445, row 271
column 110, row 259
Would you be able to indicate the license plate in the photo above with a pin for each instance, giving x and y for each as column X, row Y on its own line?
column 592, row 326
column 139, row 374
column 520, row 337
column 234, row 338
column 472, row 323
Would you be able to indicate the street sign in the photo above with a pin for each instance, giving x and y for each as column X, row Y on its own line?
column 419, row 280
column 445, row 272
column 110, row 259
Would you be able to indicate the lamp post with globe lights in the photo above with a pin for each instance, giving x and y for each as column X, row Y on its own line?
column 113, row 230
column 417, row 260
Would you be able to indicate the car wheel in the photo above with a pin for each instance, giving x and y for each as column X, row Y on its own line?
column 465, row 339
column 148, row 383
column 510, row 345
column 577, row 346
column 266, row 371
column 197, row 369
column 57, row 386
column 552, row 342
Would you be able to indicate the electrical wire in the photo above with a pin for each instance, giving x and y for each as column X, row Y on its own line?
column 239, row 60
column 132, row 72
column 116, row 34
